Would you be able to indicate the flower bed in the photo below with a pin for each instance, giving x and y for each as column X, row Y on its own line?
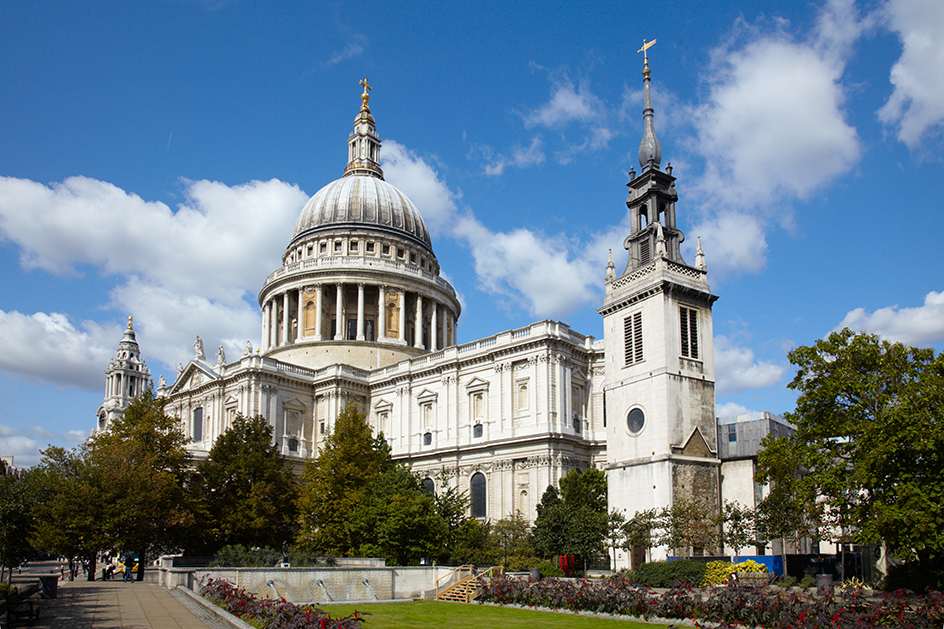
column 267, row 613
column 727, row 606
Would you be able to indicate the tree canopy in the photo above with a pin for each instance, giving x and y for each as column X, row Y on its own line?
column 248, row 489
column 870, row 440
column 574, row 520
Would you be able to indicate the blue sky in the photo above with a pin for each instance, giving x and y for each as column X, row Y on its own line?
column 155, row 155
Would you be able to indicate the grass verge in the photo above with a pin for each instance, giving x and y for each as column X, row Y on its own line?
column 459, row 616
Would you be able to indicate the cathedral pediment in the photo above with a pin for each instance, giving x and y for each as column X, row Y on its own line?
column 193, row 376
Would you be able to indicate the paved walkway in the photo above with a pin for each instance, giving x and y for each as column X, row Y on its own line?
column 118, row 605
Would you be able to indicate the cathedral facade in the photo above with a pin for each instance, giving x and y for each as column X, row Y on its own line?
column 358, row 312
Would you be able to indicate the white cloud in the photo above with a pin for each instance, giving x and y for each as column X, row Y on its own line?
column 24, row 444
column 521, row 157
column 421, row 183
column 737, row 369
column 774, row 124
column 543, row 274
column 203, row 246
column 191, row 271
column 567, row 104
column 731, row 409
column 772, row 130
column 919, row 326
column 350, row 50
column 48, row 347
column 916, row 106
column 731, row 241
column 167, row 322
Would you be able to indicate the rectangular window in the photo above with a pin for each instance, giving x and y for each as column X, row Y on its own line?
column 353, row 246
column 370, row 247
column 385, row 249
column 688, row 330
column 337, row 246
column 644, row 256
column 428, row 415
column 198, row 424
column 732, row 433
column 521, row 398
column 324, row 247
column 632, row 338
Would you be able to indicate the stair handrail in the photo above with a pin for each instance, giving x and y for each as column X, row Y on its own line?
column 467, row 567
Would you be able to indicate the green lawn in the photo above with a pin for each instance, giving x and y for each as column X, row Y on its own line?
column 458, row 615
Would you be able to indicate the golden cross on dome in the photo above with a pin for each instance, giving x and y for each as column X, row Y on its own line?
column 129, row 323
column 646, row 46
column 365, row 96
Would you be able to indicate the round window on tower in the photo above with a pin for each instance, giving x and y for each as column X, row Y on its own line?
column 635, row 421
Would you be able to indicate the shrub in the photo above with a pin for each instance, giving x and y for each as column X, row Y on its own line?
column 786, row 582
column 807, row 581
column 238, row 555
column 265, row 613
column 549, row 570
column 729, row 607
column 664, row 574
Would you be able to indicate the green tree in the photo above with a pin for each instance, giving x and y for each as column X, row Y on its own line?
column 736, row 523
column 337, row 482
column 513, row 535
column 248, row 489
column 640, row 531
column 143, row 455
column 783, row 514
column 16, row 520
column 574, row 520
column 76, row 512
column 615, row 532
column 870, row 441
column 453, row 507
column 549, row 534
column 685, row 527
column 397, row 519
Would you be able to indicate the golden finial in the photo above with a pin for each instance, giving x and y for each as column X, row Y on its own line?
column 129, row 322
column 365, row 97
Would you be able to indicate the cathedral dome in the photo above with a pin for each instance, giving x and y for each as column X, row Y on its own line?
column 362, row 201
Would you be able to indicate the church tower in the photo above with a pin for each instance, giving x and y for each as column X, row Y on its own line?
column 125, row 378
column 660, row 381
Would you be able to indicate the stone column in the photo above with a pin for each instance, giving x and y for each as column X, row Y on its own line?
column 402, row 332
column 434, row 329
column 318, row 304
column 300, row 314
column 339, row 314
column 265, row 327
column 273, row 323
column 419, row 321
column 381, row 314
column 286, row 315
column 360, row 311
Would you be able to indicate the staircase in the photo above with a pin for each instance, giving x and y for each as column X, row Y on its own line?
column 468, row 587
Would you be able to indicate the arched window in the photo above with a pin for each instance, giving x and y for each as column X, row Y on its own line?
column 429, row 486
column 477, row 495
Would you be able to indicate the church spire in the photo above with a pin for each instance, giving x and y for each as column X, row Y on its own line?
column 650, row 151
column 364, row 144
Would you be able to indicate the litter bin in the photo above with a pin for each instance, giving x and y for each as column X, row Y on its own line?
column 535, row 574
column 49, row 586
column 824, row 580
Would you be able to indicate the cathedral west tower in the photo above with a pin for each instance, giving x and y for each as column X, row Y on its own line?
column 660, row 381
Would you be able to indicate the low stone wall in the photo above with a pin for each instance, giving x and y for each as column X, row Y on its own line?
column 317, row 585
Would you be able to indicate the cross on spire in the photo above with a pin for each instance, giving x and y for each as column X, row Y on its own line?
column 365, row 97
